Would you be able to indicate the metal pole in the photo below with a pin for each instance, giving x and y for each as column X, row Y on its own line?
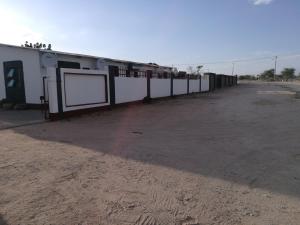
column 232, row 68
column 275, row 68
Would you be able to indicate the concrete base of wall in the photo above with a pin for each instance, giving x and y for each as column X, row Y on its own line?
column 64, row 115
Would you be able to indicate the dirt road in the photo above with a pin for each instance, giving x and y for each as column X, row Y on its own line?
column 230, row 157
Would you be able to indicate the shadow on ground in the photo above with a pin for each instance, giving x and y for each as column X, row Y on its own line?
column 226, row 135
column 2, row 221
column 16, row 118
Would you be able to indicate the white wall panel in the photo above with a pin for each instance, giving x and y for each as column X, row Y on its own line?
column 179, row 86
column 160, row 87
column 194, row 86
column 129, row 89
column 83, row 89
column 204, row 84
column 52, row 89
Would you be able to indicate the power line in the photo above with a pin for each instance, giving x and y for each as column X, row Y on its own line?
column 239, row 60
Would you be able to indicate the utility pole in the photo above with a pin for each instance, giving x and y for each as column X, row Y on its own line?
column 232, row 68
column 275, row 68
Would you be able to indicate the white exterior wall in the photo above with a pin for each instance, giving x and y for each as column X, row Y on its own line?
column 194, row 86
column 82, row 89
column 204, row 84
column 128, row 89
column 31, row 70
column 160, row 87
column 84, row 62
column 179, row 86
column 52, row 89
column 2, row 80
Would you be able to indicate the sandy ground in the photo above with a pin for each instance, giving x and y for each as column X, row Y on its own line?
column 231, row 157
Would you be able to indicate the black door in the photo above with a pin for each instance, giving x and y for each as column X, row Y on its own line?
column 14, row 81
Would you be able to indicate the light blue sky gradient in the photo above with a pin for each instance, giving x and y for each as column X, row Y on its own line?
column 162, row 31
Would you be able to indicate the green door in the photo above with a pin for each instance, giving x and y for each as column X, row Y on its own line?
column 14, row 81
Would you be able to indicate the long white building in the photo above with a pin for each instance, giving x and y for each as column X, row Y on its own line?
column 67, row 82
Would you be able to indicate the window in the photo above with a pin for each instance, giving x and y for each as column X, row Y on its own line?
column 128, row 73
column 11, row 83
column 122, row 72
column 67, row 64
column 141, row 74
column 13, row 78
column 10, row 73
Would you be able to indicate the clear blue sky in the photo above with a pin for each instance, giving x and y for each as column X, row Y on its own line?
column 163, row 31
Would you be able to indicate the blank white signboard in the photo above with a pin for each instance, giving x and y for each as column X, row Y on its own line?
column 84, row 89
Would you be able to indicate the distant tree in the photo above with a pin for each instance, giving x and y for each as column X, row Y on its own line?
column 37, row 45
column 288, row 73
column 151, row 63
column 191, row 70
column 279, row 77
column 267, row 75
column 175, row 70
column 247, row 77
column 199, row 68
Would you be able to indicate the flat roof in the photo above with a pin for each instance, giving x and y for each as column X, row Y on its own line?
column 83, row 55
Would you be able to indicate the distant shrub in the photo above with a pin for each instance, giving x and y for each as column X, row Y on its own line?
column 247, row 77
